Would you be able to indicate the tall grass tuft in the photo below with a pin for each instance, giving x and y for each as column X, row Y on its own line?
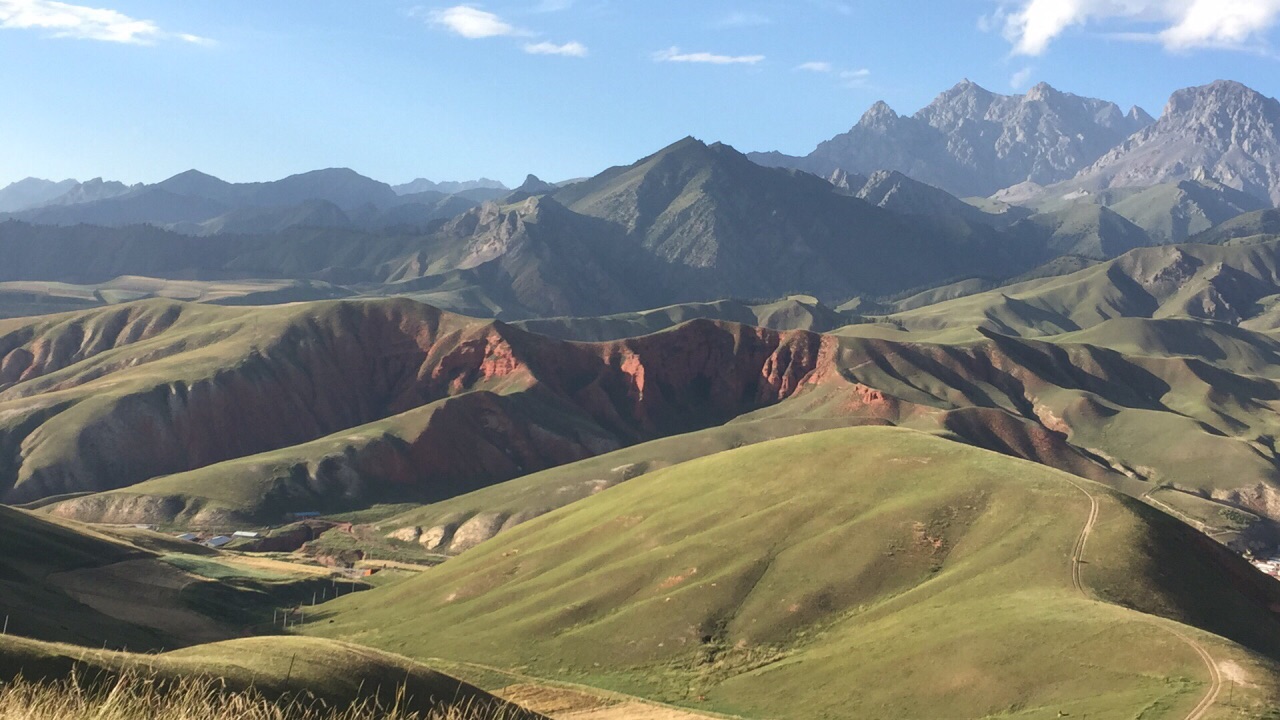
column 134, row 696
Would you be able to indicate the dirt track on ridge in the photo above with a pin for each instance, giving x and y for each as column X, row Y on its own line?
column 1077, row 558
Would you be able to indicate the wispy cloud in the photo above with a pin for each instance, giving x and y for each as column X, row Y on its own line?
column 1020, row 78
column 744, row 19
column 816, row 67
column 675, row 55
column 1031, row 26
column 473, row 23
column 64, row 20
column 856, row 78
column 569, row 49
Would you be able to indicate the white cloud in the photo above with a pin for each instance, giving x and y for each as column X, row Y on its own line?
column 1221, row 23
column 1020, row 78
column 856, row 78
column 473, row 23
column 1032, row 25
column 64, row 20
column 674, row 54
column 569, row 49
column 817, row 67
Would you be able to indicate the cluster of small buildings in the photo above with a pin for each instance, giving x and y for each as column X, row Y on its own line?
column 219, row 541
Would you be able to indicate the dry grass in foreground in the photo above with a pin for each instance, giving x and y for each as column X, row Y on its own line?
column 136, row 697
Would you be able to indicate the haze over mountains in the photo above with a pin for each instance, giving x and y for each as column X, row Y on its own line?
column 696, row 222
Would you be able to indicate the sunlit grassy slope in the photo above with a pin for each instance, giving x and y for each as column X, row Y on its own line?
column 854, row 573
column 280, row 672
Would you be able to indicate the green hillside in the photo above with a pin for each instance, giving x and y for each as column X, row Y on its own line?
column 1230, row 284
column 925, row 578
column 308, row 671
column 793, row 313
column 223, row 417
column 31, row 551
column 1089, row 231
column 1167, row 212
column 132, row 588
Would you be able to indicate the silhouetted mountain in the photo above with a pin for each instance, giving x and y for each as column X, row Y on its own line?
column 447, row 188
column 92, row 191
column 148, row 205
column 32, row 192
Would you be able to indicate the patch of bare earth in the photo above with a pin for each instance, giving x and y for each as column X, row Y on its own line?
column 551, row 701
column 631, row 711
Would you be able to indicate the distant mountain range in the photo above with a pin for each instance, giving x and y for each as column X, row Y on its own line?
column 872, row 215
column 448, row 188
column 691, row 223
column 972, row 142
column 199, row 204
column 32, row 192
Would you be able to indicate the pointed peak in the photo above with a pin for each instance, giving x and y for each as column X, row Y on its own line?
column 192, row 175
column 880, row 112
column 1139, row 115
column 967, row 86
column 533, row 185
column 1042, row 91
column 687, row 142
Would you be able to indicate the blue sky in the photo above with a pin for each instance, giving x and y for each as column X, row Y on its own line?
column 139, row 90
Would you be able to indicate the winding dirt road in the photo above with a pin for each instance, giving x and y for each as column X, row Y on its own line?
column 1077, row 553
column 1077, row 558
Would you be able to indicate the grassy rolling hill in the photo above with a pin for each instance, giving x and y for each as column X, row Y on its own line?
column 307, row 671
column 1258, row 226
column 334, row 406
column 1230, row 284
column 924, row 578
column 225, row 417
column 1168, row 212
column 117, row 588
column 457, row 524
column 1090, row 231
column 1180, row 410
column 792, row 313
column 34, row 549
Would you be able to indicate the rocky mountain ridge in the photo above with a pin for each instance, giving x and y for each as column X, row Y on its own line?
column 1222, row 132
column 970, row 141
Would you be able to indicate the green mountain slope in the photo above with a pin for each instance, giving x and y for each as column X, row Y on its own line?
column 747, row 231
column 283, row 669
column 1228, row 284
column 792, row 313
column 1167, row 212
column 32, row 550
column 1089, row 231
column 1258, row 226
column 220, row 417
column 921, row 577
